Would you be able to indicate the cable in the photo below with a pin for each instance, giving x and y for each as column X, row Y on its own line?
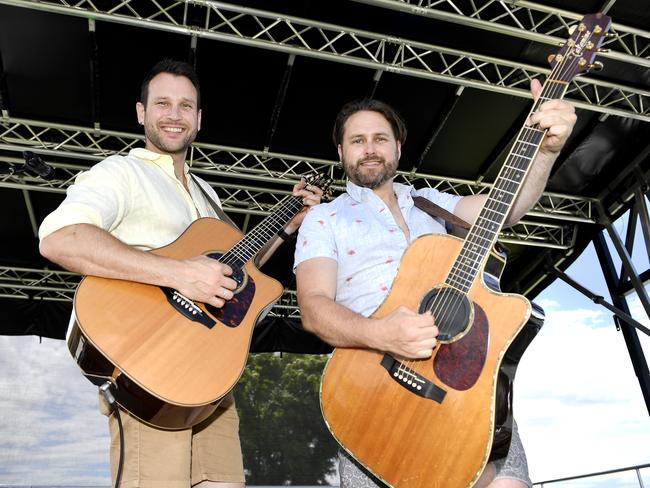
column 105, row 390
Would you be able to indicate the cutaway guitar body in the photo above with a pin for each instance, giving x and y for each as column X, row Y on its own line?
column 178, row 361
column 169, row 360
column 406, row 439
column 431, row 423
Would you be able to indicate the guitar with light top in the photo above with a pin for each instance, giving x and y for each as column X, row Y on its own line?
column 430, row 423
column 169, row 361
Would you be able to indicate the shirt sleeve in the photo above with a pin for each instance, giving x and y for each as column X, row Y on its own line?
column 448, row 201
column 315, row 237
column 98, row 196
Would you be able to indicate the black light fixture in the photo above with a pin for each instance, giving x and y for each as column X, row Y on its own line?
column 34, row 164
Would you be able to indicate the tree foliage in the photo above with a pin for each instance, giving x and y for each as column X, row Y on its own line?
column 284, row 438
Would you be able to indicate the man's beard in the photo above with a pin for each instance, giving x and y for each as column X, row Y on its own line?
column 371, row 179
column 152, row 134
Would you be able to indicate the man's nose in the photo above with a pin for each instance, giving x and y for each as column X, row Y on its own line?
column 175, row 112
column 369, row 147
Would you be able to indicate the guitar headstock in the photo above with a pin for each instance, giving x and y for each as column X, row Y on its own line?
column 322, row 181
column 578, row 52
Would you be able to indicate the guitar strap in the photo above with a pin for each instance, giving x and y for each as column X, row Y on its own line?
column 219, row 211
column 436, row 211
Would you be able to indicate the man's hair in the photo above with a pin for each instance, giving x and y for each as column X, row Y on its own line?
column 171, row 66
column 390, row 114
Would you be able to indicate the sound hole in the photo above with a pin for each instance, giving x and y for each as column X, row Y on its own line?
column 451, row 309
column 238, row 273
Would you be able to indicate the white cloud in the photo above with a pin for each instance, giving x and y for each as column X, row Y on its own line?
column 577, row 401
column 50, row 429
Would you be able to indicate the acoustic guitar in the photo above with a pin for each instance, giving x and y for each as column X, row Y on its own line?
column 169, row 360
column 430, row 423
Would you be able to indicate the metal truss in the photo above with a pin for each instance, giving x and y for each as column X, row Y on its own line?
column 37, row 284
column 59, row 286
column 249, row 182
column 525, row 20
column 293, row 35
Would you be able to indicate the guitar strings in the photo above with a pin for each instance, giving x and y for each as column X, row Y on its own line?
column 518, row 161
column 250, row 245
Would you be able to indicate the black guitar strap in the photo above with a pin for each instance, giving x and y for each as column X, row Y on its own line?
column 219, row 211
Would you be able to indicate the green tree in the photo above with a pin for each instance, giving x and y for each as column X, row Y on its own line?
column 284, row 438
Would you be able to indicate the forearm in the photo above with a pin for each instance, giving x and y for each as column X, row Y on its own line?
column 532, row 187
column 89, row 250
column 335, row 324
column 267, row 251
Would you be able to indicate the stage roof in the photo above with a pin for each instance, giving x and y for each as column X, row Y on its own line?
column 274, row 75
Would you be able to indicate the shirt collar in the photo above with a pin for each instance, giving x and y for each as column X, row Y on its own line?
column 164, row 161
column 361, row 194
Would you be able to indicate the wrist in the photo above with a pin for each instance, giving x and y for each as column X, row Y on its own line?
column 282, row 234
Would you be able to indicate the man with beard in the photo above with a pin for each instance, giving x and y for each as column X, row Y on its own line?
column 348, row 250
column 113, row 214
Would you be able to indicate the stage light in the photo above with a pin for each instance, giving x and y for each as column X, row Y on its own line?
column 34, row 164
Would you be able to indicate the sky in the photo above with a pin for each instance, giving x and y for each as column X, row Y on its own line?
column 577, row 401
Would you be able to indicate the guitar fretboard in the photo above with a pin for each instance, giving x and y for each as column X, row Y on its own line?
column 263, row 232
column 485, row 230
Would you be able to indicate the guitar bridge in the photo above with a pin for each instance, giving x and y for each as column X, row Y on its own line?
column 187, row 307
column 412, row 380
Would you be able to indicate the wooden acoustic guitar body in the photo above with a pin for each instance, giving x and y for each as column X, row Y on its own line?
column 169, row 370
column 405, row 439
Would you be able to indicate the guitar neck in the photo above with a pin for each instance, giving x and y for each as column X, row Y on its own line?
column 262, row 233
column 485, row 231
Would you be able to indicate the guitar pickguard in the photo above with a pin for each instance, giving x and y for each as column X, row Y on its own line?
column 459, row 364
column 235, row 309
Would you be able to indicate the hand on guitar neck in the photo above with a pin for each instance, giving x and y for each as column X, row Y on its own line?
column 556, row 116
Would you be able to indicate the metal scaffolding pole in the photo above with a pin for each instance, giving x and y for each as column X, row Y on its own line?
column 639, row 362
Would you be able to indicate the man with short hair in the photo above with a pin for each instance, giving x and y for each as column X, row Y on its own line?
column 348, row 250
column 127, row 205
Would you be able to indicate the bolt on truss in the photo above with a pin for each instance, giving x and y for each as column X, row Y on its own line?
column 248, row 181
column 525, row 20
column 59, row 286
column 257, row 28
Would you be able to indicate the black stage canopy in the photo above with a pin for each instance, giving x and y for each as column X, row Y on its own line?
column 274, row 74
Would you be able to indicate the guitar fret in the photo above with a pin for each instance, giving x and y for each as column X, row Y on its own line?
column 534, row 144
column 461, row 285
column 534, row 130
column 512, row 181
column 250, row 245
column 515, row 168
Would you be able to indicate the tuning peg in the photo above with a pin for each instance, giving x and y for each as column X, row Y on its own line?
column 602, row 50
column 611, row 35
column 550, row 58
column 596, row 66
column 572, row 29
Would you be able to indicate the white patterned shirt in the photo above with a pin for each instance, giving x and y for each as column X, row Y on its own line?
column 358, row 230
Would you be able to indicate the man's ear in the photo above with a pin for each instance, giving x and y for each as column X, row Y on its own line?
column 340, row 151
column 399, row 150
column 198, row 127
column 139, row 110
